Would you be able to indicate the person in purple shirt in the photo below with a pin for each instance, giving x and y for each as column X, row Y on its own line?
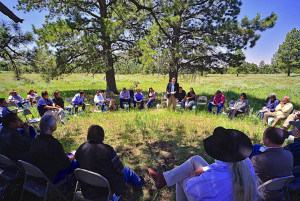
column 230, row 178
column 138, row 98
column 124, row 97
column 46, row 106
column 270, row 107
column 15, row 97
column 77, row 101
column 218, row 101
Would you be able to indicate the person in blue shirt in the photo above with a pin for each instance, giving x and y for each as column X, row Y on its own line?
column 3, row 109
column 77, row 101
column 138, row 98
column 15, row 97
column 46, row 106
column 124, row 97
column 99, row 99
column 270, row 107
column 230, row 178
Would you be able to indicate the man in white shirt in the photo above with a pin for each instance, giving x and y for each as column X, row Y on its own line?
column 99, row 99
column 282, row 111
column 124, row 97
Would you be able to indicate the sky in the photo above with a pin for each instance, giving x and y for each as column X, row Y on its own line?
column 288, row 12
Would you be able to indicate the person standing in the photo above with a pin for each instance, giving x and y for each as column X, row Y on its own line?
column 172, row 93
column 218, row 101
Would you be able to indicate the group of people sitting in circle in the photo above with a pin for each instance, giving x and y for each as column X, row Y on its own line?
column 238, row 170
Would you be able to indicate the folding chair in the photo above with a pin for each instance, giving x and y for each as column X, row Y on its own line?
column 277, row 184
column 86, row 102
column 164, row 99
column 92, row 179
column 16, row 108
column 41, row 191
column 33, row 120
column 295, row 184
column 10, row 172
column 202, row 100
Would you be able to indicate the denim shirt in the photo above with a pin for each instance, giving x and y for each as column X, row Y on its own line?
column 215, row 183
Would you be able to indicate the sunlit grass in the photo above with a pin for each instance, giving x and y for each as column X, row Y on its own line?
column 157, row 136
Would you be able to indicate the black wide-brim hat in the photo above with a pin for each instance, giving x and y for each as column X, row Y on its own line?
column 228, row 145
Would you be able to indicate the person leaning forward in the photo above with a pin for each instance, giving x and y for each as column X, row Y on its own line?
column 172, row 92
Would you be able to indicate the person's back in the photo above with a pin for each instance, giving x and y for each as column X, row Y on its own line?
column 274, row 162
column 46, row 152
column 97, row 158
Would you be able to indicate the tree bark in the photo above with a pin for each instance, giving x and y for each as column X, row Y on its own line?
column 289, row 71
column 173, row 74
column 109, row 63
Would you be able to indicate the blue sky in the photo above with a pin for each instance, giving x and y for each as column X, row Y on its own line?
column 288, row 12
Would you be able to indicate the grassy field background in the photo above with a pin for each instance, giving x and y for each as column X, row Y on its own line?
column 157, row 136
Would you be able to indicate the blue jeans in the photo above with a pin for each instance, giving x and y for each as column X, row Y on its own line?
column 122, row 100
column 64, row 173
column 32, row 132
column 210, row 105
column 102, row 106
column 150, row 101
column 20, row 104
column 131, row 177
column 183, row 103
column 261, row 114
column 141, row 106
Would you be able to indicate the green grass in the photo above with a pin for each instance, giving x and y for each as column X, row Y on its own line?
column 155, row 137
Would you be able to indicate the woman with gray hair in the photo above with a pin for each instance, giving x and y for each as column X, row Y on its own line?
column 47, row 153
column 270, row 107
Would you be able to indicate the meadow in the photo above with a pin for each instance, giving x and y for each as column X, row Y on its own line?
column 158, row 138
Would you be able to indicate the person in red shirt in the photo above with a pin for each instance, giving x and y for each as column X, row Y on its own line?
column 219, row 101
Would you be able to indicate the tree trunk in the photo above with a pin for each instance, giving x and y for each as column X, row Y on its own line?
column 202, row 73
column 289, row 71
column 173, row 74
column 111, row 81
column 109, row 63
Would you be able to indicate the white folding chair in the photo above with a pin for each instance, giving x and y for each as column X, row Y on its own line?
column 33, row 120
column 202, row 100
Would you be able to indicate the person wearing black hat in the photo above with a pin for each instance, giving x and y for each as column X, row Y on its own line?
column 230, row 178
column 218, row 101
column 274, row 161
